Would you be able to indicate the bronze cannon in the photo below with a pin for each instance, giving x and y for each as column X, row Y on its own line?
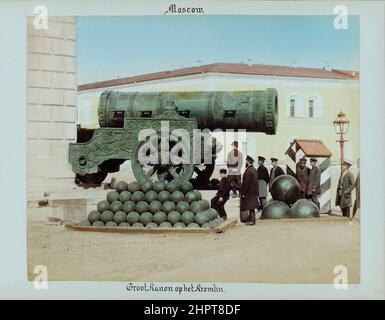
column 123, row 115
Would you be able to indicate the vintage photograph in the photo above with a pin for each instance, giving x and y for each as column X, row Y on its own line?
column 199, row 148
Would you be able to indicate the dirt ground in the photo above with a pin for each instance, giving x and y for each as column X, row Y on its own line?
column 269, row 252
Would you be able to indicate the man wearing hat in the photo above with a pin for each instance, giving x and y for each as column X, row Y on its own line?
column 222, row 195
column 314, row 183
column 344, row 189
column 302, row 176
column 263, row 180
column 275, row 171
column 234, row 165
column 249, row 191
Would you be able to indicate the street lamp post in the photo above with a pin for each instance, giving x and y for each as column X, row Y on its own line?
column 341, row 125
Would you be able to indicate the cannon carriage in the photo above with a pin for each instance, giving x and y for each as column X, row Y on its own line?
column 124, row 115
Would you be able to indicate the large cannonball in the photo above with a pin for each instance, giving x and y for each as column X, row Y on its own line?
column 172, row 186
column 165, row 224
column 193, row 225
column 150, row 196
column 121, row 186
column 201, row 218
column 188, row 217
column 116, row 206
column 124, row 225
column 111, row 224
column 164, row 196
column 155, row 206
column 98, row 224
column 106, row 216
column 212, row 223
column 93, row 216
column 141, row 206
column 212, row 213
column 120, row 217
column 205, row 204
column 159, row 186
column 177, row 196
column 275, row 210
column 304, row 208
column 129, row 206
column 168, row 206
column 112, row 196
column 285, row 188
column 138, row 225
column 133, row 217
column 146, row 186
column 103, row 206
column 160, row 217
column 196, row 207
column 133, row 186
column 146, row 217
column 191, row 196
column 173, row 217
column 182, row 206
column 179, row 225
column 186, row 186
column 198, row 194
column 124, row 196
column 151, row 225
column 137, row 196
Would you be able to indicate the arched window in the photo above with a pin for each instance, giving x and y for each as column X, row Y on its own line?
column 295, row 105
column 313, row 106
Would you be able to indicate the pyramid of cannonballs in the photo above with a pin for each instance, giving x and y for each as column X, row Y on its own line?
column 286, row 203
column 152, row 205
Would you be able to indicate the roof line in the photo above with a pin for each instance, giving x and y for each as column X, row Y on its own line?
column 233, row 68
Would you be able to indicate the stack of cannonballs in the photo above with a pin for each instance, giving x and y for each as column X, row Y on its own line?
column 152, row 205
column 286, row 203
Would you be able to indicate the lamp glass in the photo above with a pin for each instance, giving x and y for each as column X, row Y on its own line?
column 337, row 127
column 345, row 127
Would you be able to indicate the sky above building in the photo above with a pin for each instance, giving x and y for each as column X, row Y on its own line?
column 117, row 47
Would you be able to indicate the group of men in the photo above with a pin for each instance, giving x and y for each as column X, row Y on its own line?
column 309, row 180
column 252, row 188
column 255, row 182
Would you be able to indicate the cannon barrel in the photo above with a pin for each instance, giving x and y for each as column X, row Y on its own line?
column 255, row 111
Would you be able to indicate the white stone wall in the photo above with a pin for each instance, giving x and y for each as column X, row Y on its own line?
column 51, row 109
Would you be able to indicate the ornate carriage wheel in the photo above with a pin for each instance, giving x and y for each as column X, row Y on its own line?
column 155, row 170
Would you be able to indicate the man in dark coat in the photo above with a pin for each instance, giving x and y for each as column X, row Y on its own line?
column 302, row 176
column 222, row 195
column 263, row 180
column 344, row 189
column 275, row 171
column 314, row 183
column 249, row 190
